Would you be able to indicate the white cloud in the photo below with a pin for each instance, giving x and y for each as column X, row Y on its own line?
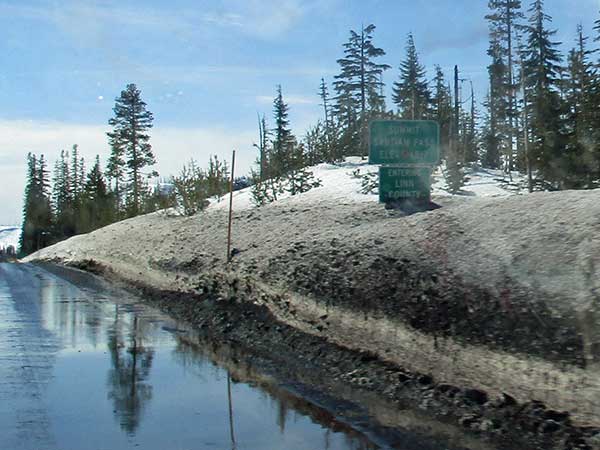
column 224, row 20
column 265, row 19
column 93, row 24
column 75, row 14
column 172, row 146
column 89, row 22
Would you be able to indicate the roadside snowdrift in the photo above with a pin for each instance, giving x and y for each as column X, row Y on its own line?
column 9, row 235
column 498, row 292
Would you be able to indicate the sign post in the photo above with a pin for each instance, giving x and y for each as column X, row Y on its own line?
column 407, row 151
column 230, row 208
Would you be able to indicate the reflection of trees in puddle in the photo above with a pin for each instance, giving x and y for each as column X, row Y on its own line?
column 127, row 379
column 284, row 402
column 71, row 313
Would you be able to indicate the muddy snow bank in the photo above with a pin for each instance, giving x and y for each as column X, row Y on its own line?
column 498, row 294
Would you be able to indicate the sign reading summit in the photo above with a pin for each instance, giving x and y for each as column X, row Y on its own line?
column 404, row 142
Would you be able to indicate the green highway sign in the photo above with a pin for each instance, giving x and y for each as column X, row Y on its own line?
column 404, row 142
column 404, row 182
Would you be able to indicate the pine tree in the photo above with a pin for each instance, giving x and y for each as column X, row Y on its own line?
column 541, row 69
column 327, row 153
column 130, row 143
column 469, row 133
column 62, row 198
column 581, row 110
column 27, row 242
column 358, row 89
column 45, row 217
column 411, row 93
column 263, row 148
column 454, row 173
column 60, row 182
column 96, row 202
column 441, row 107
column 283, row 140
column 217, row 177
column 491, row 144
column 324, row 95
column 496, row 137
column 76, row 188
column 454, row 170
column 190, row 189
column 317, row 144
column 504, row 20
column 36, row 231
column 115, row 172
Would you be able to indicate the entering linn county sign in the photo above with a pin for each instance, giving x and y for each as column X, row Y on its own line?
column 402, row 183
column 407, row 150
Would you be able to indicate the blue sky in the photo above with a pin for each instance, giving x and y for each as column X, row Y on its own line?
column 205, row 68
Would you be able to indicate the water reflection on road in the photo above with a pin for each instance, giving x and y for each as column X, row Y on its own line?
column 81, row 368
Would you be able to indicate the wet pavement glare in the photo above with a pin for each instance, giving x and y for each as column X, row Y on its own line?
column 86, row 368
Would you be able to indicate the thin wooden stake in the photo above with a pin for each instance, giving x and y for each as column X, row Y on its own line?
column 230, row 208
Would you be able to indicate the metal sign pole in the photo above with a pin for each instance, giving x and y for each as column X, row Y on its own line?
column 230, row 208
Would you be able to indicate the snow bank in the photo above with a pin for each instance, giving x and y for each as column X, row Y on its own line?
column 494, row 290
column 339, row 184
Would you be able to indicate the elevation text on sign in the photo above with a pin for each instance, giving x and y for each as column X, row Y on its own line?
column 404, row 142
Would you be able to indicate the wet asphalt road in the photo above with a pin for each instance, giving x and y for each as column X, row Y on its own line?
column 86, row 368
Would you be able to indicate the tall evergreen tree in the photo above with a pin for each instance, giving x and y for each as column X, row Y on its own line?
column 454, row 170
column 358, row 89
column 61, row 186
column 62, row 198
column 45, row 218
column 504, row 20
column 541, row 69
column 283, row 140
column 441, row 107
column 491, row 144
column 411, row 93
column 469, row 132
column 96, row 208
column 130, row 142
column 115, row 172
column 77, row 179
column 497, row 136
column 580, row 161
column 75, row 188
column 27, row 242
column 324, row 95
column 317, row 145
column 263, row 148
column 328, row 126
column 36, row 231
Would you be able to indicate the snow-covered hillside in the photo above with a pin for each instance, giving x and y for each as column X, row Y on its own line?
column 343, row 182
column 9, row 235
